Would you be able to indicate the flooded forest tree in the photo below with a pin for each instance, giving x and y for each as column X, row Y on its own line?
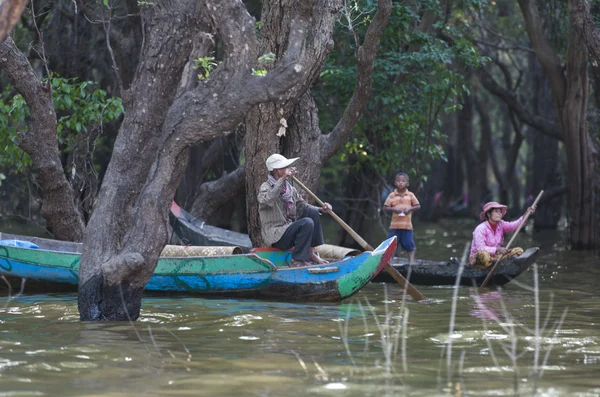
column 129, row 226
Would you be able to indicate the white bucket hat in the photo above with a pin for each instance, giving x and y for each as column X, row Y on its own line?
column 277, row 161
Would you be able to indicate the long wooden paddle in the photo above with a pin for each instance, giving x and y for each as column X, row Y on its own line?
column 525, row 217
column 412, row 291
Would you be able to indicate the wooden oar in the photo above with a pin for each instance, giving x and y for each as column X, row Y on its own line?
column 412, row 291
column 525, row 217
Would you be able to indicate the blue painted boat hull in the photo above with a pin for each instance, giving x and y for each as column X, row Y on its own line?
column 246, row 275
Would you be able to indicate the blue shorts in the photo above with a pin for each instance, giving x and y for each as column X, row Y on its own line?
column 405, row 238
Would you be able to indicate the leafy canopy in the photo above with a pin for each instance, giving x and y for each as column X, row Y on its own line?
column 79, row 107
column 418, row 77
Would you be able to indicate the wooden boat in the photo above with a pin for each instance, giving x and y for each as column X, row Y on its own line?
column 252, row 275
column 444, row 273
column 194, row 231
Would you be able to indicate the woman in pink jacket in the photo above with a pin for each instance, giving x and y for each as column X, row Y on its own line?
column 486, row 247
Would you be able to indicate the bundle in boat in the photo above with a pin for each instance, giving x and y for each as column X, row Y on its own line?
column 335, row 252
column 185, row 251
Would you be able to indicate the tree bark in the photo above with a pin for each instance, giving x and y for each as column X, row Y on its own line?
column 582, row 21
column 544, row 162
column 215, row 194
column 581, row 154
column 130, row 226
column 10, row 12
column 63, row 218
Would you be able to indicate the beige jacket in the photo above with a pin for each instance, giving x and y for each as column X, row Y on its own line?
column 271, row 209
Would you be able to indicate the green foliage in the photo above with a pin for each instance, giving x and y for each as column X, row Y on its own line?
column 144, row 3
column 418, row 77
column 264, row 61
column 204, row 66
column 78, row 107
column 2, row 177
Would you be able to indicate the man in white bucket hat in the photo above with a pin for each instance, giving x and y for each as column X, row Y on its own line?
column 287, row 220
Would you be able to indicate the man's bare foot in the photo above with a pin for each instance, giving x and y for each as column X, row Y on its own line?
column 318, row 260
column 298, row 263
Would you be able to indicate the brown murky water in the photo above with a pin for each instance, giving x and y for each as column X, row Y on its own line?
column 370, row 345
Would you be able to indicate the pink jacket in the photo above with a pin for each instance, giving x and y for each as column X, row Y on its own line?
column 484, row 237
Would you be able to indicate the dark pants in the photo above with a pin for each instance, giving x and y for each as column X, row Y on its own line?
column 405, row 237
column 303, row 234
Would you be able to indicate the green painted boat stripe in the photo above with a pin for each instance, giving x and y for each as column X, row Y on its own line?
column 4, row 263
column 166, row 265
column 352, row 282
column 213, row 265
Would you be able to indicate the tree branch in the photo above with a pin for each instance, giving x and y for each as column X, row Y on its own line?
column 198, row 115
column 509, row 97
column 364, row 77
column 546, row 55
column 215, row 194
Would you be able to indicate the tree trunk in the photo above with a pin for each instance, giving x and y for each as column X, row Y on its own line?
column 63, row 218
column 454, row 185
column 476, row 169
column 584, row 24
column 130, row 226
column 10, row 12
column 581, row 153
column 364, row 187
column 544, row 161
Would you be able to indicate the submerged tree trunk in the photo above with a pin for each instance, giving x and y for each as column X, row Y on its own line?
column 581, row 153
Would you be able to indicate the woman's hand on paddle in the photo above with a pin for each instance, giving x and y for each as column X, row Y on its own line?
column 532, row 209
column 326, row 208
column 502, row 250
